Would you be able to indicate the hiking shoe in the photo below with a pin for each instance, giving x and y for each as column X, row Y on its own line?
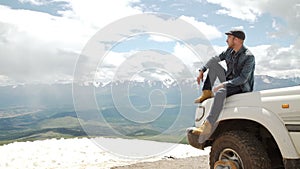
column 206, row 94
column 205, row 128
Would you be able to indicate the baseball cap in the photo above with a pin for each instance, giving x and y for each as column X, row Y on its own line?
column 237, row 33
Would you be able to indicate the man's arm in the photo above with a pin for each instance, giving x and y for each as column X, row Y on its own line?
column 200, row 77
column 216, row 59
column 211, row 62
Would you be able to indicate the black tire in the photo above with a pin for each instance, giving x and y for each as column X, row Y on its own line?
column 242, row 148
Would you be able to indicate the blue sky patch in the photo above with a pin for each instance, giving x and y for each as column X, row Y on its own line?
column 50, row 7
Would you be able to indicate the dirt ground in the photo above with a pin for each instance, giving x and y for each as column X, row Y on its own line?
column 200, row 162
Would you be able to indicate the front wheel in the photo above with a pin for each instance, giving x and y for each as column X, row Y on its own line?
column 242, row 148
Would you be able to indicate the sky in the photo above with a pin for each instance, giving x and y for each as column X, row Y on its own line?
column 41, row 41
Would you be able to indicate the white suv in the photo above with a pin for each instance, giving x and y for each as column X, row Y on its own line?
column 257, row 130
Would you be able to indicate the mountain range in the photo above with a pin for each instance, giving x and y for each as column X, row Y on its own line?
column 60, row 95
column 37, row 111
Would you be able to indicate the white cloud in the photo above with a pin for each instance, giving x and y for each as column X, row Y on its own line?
column 99, row 13
column 277, row 61
column 141, row 65
column 185, row 55
column 160, row 38
column 44, row 27
column 249, row 10
column 239, row 27
column 34, row 2
column 275, row 25
column 173, row 28
column 245, row 10
column 38, row 47
column 209, row 31
column 288, row 10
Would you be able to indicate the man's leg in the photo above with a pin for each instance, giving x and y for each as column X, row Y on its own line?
column 233, row 90
column 217, row 106
column 207, row 84
column 210, row 124
column 206, row 91
column 219, row 101
column 215, row 71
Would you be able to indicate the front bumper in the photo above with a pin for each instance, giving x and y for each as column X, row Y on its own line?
column 193, row 140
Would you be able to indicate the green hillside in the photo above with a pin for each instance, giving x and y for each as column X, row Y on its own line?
column 46, row 123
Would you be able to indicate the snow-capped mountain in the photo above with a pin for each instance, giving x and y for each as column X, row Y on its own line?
column 263, row 82
column 61, row 94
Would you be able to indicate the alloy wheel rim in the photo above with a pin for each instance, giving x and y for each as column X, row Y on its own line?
column 229, row 154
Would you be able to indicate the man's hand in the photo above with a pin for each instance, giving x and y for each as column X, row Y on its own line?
column 218, row 87
column 200, row 77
